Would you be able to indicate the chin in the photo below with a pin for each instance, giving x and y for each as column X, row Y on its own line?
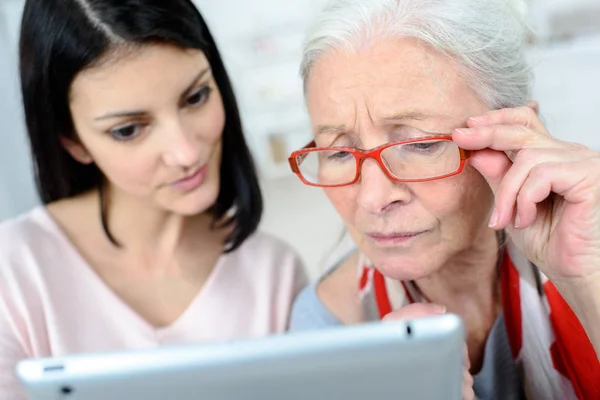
column 195, row 203
column 405, row 259
column 190, row 210
column 404, row 266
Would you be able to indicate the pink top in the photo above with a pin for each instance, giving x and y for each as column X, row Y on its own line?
column 52, row 303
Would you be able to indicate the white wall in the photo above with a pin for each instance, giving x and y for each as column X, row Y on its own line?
column 17, row 192
column 303, row 217
column 567, row 85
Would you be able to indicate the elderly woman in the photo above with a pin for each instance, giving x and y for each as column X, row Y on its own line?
column 453, row 191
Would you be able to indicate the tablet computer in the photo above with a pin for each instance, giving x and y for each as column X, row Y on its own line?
column 406, row 359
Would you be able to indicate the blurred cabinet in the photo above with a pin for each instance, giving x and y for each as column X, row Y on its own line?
column 560, row 20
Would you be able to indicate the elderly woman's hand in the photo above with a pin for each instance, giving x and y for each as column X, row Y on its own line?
column 547, row 191
column 547, row 196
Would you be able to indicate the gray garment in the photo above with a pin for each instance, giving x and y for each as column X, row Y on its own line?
column 499, row 377
column 309, row 313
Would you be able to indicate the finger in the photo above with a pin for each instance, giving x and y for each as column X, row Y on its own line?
column 416, row 310
column 508, row 138
column 535, row 106
column 523, row 116
column 527, row 201
column 507, row 192
column 492, row 165
column 467, row 386
column 467, row 389
column 466, row 359
column 558, row 177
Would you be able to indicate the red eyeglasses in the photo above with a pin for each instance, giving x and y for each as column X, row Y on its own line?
column 412, row 160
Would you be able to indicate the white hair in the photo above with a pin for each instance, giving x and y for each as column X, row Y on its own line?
column 486, row 38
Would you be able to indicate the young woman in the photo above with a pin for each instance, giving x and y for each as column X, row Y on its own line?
column 147, row 236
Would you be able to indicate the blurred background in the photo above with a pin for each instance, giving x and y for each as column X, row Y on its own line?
column 260, row 41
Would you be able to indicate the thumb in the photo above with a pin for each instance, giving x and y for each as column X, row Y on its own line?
column 492, row 164
column 415, row 310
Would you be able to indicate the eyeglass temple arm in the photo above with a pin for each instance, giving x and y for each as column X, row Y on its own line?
column 293, row 158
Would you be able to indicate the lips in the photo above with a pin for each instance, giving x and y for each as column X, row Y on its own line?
column 387, row 239
column 192, row 181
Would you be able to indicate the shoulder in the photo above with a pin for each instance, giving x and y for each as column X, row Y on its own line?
column 273, row 273
column 309, row 312
column 265, row 256
column 332, row 300
column 34, row 252
column 28, row 246
column 20, row 223
column 265, row 249
column 25, row 234
column 39, row 232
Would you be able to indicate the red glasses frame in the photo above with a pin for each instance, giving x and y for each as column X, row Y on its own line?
column 361, row 155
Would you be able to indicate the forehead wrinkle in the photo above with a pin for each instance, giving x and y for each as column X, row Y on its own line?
column 356, row 118
column 369, row 116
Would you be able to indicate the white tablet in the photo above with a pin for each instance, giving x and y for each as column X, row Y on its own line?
column 417, row 359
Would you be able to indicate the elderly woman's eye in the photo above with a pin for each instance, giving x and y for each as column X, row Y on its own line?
column 199, row 97
column 424, row 146
column 126, row 132
column 338, row 155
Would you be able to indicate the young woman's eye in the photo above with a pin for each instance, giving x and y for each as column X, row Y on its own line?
column 199, row 97
column 126, row 132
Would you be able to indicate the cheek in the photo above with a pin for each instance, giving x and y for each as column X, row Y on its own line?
column 460, row 204
column 476, row 193
column 211, row 122
column 442, row 199
column 215, row 161
column 127, row 166
column 344, row 201
column 130, row 171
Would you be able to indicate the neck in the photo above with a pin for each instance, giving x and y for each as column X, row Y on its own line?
column 469, row 282
column 468, row 285
column 155, row 235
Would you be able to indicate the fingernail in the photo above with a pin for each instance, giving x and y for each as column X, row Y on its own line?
column 494, row 219
column 440, row 309
column 465, row 131
column 475, row 119
column 517, row 222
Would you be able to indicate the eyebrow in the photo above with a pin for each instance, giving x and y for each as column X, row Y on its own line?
column 330, row 129
column 138, row 113
column 410, row 116
column 398, row 117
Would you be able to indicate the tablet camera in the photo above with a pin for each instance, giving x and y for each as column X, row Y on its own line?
column 408, row 330
column 66, row 390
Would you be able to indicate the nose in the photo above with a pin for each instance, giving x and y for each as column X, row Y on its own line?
column 377, row 191
column 182, row 149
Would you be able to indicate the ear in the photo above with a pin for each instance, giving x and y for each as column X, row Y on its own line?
column 76, row 150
